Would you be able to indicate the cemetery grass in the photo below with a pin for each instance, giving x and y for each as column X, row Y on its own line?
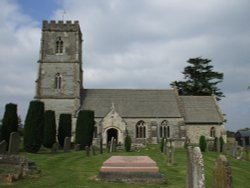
column 75, row 169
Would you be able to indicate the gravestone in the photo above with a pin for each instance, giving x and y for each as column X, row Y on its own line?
column 14, row 143
column 165, row 146
column 92, row 150
column 114, row 145
column 67, row 144
column 54, row 148
column 111, row 145
column 3, row 146
column 195, row 168
column 77, row 147
column 170, row 153
column 87, row 151
column 222, row 173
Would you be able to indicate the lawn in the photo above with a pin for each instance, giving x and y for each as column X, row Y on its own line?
column 75, row 169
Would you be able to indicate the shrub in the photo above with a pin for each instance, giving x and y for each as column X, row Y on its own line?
column 215, row 143
column 127, row 143
column 49, row 131
column 33, row 127
column 203, row 143
column 221, row 143
column 85, row 128
column 10, row 121
column 64, row 128
column 162, row 144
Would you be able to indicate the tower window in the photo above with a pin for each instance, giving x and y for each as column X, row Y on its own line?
column 59, row 46
column 58, row 81
column 140, row 130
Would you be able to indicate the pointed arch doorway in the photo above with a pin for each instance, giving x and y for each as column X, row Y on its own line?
column 112, row 132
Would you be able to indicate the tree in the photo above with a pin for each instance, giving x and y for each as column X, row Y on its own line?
column 200, row 79
column 64, row 128
column 127, row 143
column 33, row 127
column 10, row 121
column 85, row 128
column 49, row 131
column 203, row 143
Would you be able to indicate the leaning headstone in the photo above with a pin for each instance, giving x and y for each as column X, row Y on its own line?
column 222, row 173
column 67, row 144
column 77, row 147
column 3, row 146
column 54, row 148
column 14, row 143
column 195, row 168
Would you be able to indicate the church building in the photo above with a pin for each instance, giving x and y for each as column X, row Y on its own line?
column 147, row 115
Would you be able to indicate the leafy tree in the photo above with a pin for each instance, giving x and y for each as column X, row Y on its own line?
column 127, row 143
column 9, row 122
column 64, row 128
column 200, row 79
column 203, row 143
column 33, row 127
column 85, row 128
column 49, row 131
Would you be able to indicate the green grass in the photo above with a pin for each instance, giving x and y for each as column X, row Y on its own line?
column 75, row 169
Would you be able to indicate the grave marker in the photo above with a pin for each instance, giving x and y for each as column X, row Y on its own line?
column 3, row 146
column 54, row 148
column 67, row 144
column 14, row 143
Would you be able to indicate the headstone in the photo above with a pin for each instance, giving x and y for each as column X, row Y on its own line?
column 101, row 146
column 87, row 151
column 67, row 144
column 77, row 147
column 111, row 145
column 195, row 168
column 222, row 173
column 3, row 146
column 92, row 150
column 164, row 146
column 14, row 143
column 234, row 150
column 114, row 145
column 54, row 148
column 170, row 153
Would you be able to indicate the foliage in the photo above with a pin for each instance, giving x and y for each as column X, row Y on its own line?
column 85, row 128
column 127, row 143
column 49, row 131
column 215, row 143
column 33, row 127
column 162, row 144
column 10, row 121
column 203, row 143
column 200, row 79
column 64, row 128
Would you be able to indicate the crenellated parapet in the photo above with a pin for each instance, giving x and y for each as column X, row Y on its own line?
column 60, row 25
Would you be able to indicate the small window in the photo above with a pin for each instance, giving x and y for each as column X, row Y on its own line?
column 140, row 130
column 212, row 132
column 164, row 130
column 58, row 81
column 59, row 46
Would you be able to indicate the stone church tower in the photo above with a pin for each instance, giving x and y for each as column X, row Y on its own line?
column 59, row 82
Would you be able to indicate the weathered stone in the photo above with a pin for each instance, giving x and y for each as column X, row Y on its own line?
column 14, row 143
column 195, row 168
column 77, row 147
column 87, row 151
column 54, row 148
column 111, row 145
column 222, row 173
column 67, row 144
column 3, row 146
column 92, row 150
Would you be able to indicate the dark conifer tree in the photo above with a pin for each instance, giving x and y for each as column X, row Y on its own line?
column 33, row 127
column 49, row 131
column 85, row 128
column 64, row 128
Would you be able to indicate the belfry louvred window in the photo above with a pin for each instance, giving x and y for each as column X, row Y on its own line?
column 59, row 45
column 58, row 81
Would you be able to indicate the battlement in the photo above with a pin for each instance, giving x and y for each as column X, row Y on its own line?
column 60, row 25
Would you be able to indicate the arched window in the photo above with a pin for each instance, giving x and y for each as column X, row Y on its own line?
column 59, row 45
column 212, row 132
column 140, row 130
column 164, row 130
column 58, row 81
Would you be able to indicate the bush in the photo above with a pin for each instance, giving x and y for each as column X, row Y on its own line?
column 127, row 143
column 10, row 121
column 162, row 144
column 64, row 128
column 221, row 144
column 33, row 127
column 203, row 143
column 215, row 143
column 85, row 128
column 49, row 131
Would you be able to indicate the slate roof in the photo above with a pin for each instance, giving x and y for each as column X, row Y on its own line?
column 243, row 133
column 132, row 102
column 200, row 109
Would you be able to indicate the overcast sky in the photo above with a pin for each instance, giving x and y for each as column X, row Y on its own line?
column 133, row 44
